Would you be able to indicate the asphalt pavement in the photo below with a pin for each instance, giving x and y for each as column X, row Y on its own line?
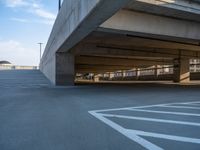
column 35, row 115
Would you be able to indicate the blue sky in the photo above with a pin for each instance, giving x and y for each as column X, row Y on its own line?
column 24, row 23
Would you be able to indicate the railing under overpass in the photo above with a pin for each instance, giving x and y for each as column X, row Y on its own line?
column 160, row 73
column 146, row 74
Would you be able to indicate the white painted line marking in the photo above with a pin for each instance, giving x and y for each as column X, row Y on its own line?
column 166, row 136
column 165, row 112
column 134, row 135
column 152, row 119
column 194, row 104
column 145, row 106
column 198, row 104
column 146, row 144
column 183, row 107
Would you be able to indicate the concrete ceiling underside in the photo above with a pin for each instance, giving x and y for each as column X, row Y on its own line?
column 184, row 9
column 110, row 51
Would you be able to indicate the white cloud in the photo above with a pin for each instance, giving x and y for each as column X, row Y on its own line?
column 33, row 7
column 48, row 22
column 16, row 3
column 38, row 21
column 18, row 54
column 19, row 20
column 44, row 14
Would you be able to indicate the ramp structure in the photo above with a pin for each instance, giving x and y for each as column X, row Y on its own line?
column 97, row 36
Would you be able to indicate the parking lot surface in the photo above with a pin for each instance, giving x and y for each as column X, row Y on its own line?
column 153, row 121
column 35, row 115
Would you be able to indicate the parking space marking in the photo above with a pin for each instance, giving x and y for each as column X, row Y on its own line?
column 166, row 136
column 181, row 107
column 145, row 106
column 195, row 104
column 165, row 112
column 192, row 105
column 135, row 135
column 152, row 119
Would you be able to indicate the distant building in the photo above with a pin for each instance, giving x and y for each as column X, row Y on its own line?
column 6, row 65
column 4, row 62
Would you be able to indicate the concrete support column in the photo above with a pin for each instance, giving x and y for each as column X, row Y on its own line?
column 96, row 78
column 182, row 70
column 123, row 73
column 111, row 75
column 156, row 71
column 137, row 73
column 65, row 71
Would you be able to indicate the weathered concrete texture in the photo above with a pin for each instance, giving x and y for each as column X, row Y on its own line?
column 65, row 72
column 60, row 69
column 181, row 70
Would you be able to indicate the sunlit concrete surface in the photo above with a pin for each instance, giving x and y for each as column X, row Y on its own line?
column 34, row 115
column 103, row 36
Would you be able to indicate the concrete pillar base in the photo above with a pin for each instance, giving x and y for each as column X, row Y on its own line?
column 65, row 72
column 156, row 72
column 182, row 70
column 96, row 78
column 137, row 73
column 111, row 75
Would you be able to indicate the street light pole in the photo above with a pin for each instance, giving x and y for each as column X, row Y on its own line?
column 59, row 4
column 40, row 50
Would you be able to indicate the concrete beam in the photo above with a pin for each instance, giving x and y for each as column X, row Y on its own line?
column 98, row 13
column 130, row 52
column 91, row 60
column 151, row 24
column 103, row 67
column 183, row 9
column 108, row 38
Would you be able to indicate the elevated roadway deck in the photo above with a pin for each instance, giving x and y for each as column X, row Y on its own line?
column 97, row 36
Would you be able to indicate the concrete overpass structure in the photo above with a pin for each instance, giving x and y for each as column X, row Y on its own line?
column 96, row 36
